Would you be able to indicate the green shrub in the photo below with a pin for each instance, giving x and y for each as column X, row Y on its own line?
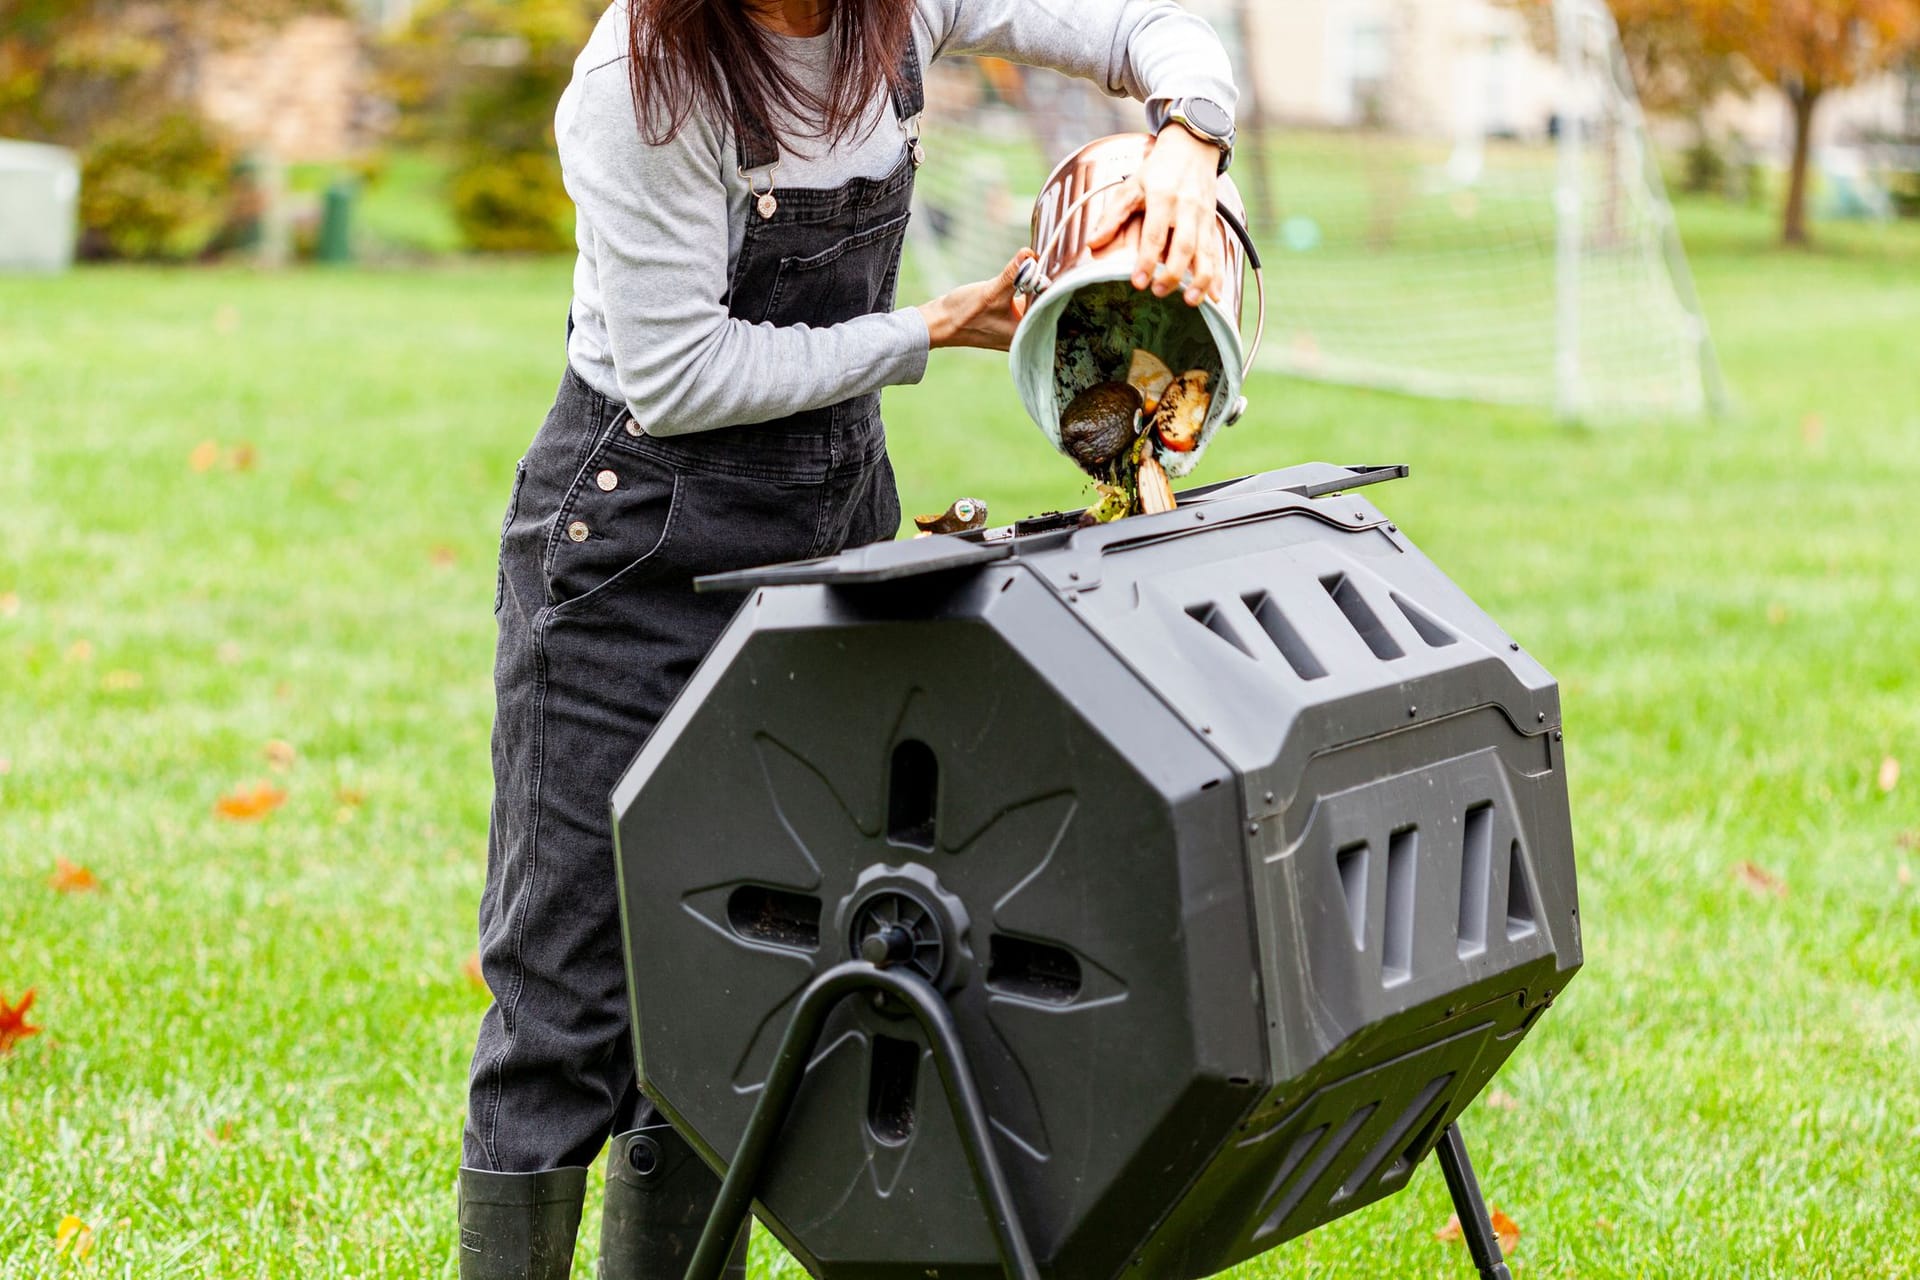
column 155, row 188
column 512, row 203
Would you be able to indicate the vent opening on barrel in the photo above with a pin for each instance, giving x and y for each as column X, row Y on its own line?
column 1403, row 849
column 913, row 788
column 1267, row 613
column 1436, row 636
column 896, row 1068
column 1476, row 883
column 1351, row 862
column 1032, row 970
column 1365, row 621
column 1210, row 617
column 775, row 917
column 1520, row 921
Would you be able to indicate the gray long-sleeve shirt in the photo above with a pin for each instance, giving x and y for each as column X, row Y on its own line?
column 651, row 327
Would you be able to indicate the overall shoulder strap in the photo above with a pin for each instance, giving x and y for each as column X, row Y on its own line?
column 757, row 148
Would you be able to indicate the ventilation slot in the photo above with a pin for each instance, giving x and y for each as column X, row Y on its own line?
column 1397, row 955
column 1361, row 615
column 1315, row 1171
column 775, row 917
column 1284, row 637
column 1476, row 879
column 1352, row 863
column 1436, row 636
column 896, row 1066
column 1520, row 921
column 1208, row 616
column 1396, row 1132
column 913, row 787
column 1416, row 1151
column 1032, row 970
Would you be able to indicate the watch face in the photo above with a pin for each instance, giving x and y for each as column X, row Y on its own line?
column 1211, row 117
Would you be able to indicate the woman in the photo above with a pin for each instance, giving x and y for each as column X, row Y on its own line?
column 743, row 170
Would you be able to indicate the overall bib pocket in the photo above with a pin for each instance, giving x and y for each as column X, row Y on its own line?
column 841, row 280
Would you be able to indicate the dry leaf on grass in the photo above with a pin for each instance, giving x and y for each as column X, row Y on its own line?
column 71, row 877
column 1904, row 875
column 80, row 651
column 122, row 681
column 73, row 1238
column 280, row 755
column 444, row 557
column 471, row 967
column 1813, row 430
column 1505, row 1230
column 1889, row 776
column 204, row 455
column 1759, row 881
column 243, row 457
column 13, row 1022
column 6, row 765
column 250, row 803
column 227, row 653
column 1501, row 1100
column 221, row 1135
column 9, row 604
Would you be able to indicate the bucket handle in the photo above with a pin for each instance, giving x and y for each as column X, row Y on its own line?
column 1033, row 279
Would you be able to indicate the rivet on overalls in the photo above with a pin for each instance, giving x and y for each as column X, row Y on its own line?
column 578, row 531
column 607, row 481
column 634, row 428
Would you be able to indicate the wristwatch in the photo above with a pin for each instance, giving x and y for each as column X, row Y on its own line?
column 1204, row 119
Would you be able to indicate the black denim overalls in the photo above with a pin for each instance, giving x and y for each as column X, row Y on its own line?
column 600, row 629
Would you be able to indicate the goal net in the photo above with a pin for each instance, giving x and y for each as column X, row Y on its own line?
column 1454, row 198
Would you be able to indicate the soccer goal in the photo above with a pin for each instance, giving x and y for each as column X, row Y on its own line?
column 1455, row 198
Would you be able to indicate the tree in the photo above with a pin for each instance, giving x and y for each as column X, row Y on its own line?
column 1807, row 49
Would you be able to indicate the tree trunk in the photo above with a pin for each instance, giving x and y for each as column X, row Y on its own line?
column 1793, row 230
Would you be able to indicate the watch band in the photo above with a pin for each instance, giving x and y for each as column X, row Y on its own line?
column 1181, row 111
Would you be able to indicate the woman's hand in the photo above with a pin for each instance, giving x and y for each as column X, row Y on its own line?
column 978, row 315
column 1179, row 189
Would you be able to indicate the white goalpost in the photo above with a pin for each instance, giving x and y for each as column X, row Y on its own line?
column 1451, row 201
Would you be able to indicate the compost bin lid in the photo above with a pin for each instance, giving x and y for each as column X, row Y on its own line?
column 886, row 562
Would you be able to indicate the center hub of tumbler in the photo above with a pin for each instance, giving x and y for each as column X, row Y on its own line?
column 894, row 929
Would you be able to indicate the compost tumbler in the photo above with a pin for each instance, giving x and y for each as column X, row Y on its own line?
column 1147, row 894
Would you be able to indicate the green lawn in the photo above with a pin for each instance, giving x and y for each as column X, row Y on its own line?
column 255, row 1033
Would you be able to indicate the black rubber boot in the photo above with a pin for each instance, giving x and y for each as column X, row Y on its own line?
column 659, row 1194
column 519, row 1226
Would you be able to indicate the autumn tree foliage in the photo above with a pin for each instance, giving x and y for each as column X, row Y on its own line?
column 1807, row 49
column 1687, row 54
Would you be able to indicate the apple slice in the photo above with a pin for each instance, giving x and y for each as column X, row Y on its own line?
column 1150, row 377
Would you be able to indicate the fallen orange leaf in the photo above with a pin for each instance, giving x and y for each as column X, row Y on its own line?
column 1501, row 1100
column 1759, row 881
column 249, row 803
column 9, row 604
column 1889, row 776
column 70, row 877
column 13, row 1022
column 471, row 967
column 6, row 765
column 281, row 755
column 243, row 457
column 73, row 1238
column 204, row 455
column 444, row 557
column 80, row 651
column 1505, row 1230
column 1906, row 839
column 1813, row 429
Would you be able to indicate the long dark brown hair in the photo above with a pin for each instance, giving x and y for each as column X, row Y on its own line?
column 711, row 56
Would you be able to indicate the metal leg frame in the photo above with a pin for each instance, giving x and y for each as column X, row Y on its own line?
column 770, row 1114
column 1475, row 1225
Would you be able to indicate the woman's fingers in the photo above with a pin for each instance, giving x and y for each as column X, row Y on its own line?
column 1149, row 271
column 1180, row 263
column 1208, row 269
column 1121, row 204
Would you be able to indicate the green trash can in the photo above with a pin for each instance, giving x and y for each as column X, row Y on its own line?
column 335, row 242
